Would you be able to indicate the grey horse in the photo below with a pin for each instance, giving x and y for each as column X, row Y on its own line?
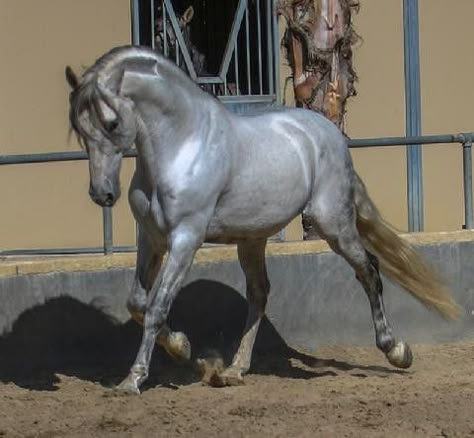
column 204, row 174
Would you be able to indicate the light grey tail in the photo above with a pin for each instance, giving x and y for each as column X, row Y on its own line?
column 399, row 260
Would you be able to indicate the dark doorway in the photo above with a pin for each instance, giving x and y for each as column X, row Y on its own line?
column 210, row 29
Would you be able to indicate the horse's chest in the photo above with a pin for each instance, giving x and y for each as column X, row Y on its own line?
column 146, row 212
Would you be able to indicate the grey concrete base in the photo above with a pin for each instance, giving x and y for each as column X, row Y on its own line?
column 315, row 300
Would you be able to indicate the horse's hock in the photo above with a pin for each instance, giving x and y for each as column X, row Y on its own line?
column 54, row 308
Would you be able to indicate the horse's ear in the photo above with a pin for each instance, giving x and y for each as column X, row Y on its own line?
column 187, row 16
column 71, row 78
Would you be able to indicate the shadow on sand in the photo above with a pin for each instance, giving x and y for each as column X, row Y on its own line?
column 65, row 336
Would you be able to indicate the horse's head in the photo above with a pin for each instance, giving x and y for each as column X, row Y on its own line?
column 106, row 126
column 170, row 36
column 168, row 33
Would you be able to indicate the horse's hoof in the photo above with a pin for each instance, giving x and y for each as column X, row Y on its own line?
column 230, row 377
column 127, row 387
column 126, row 390
column 209, row 366
column 233, row 378
column 178, row 346
column 400, row 355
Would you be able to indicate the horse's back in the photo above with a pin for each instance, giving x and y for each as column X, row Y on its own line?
column 307, row 130
column 291, row 144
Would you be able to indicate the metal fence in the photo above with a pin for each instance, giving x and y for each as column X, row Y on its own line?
column 250, row 63
column 465, row 140
column 239, row 65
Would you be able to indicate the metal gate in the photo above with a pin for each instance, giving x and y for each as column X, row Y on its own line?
column 247, row 73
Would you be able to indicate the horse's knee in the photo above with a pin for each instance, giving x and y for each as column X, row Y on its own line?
column 136, row 302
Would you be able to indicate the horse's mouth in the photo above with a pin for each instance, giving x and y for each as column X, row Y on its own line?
column 105, row 200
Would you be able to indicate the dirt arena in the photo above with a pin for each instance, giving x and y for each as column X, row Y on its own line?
column 343, row 392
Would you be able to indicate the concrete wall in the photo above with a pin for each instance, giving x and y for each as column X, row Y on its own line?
column 74, row 306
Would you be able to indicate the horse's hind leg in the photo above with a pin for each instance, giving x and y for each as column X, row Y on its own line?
column 252, row 260
column 149, row 260
column 345, row 241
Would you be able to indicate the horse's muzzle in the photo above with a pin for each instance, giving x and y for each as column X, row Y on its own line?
column 104, row 199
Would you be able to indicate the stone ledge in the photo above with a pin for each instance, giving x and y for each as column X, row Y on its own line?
column 13, row 266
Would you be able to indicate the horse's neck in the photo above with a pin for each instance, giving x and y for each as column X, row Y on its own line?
column 158, row 144
column 169, row 108
column 163, row 130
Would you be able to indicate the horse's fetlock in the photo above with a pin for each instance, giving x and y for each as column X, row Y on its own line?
column 136, row 304
column 140, row 370
column 385, row 343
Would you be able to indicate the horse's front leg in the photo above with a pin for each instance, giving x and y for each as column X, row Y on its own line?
column 149, row 259
column 150, row 255
column 184, row 241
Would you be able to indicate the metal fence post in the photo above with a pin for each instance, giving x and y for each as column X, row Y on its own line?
column 108, row 230
column 135, row 12
column 276, row 54
column 467, row 180
column 413, row 114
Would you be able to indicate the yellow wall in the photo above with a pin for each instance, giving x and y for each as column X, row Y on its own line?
column 47, row 205
column 447, row 94
column 378, row 110
column 379, row 107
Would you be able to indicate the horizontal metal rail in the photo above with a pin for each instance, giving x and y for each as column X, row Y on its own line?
column 353, row 143
column 65, row 251
column 402, row 141
column 50, row 157
column 465, row 139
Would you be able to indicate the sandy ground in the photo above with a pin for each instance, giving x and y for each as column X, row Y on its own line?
column 342, row 392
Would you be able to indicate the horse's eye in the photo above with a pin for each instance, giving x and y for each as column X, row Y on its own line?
column 111, row 126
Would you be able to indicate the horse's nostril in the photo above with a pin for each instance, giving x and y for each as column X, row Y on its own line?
column 110, row 198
